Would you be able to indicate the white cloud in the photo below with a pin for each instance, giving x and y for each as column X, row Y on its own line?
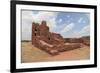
column 26, row 25
column 80, row 20
column 68, row 16
column 50, row 17
column 85, row 31
column 41, row 15
column 29, row 16
column 60, row 20
column 68, row 28
column 52, row 24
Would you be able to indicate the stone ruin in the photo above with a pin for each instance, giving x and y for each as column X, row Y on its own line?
column 52, row 43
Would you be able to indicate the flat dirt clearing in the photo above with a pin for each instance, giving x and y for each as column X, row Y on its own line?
column 29, row 53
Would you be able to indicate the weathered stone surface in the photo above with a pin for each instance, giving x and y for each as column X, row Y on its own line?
column 53, row 43
column 74, row 40
column 84, row 40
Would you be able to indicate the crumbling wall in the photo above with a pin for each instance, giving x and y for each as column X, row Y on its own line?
column 53, row 43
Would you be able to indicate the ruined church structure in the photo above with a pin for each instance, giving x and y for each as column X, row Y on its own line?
column 50, row 42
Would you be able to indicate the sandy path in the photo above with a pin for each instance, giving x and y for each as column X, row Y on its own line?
column 77, row 54
column 30, row 53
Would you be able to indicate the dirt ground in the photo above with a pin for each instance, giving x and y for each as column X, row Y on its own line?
column 29, row 53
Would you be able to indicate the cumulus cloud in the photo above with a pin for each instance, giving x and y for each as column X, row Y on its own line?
column 68, row 28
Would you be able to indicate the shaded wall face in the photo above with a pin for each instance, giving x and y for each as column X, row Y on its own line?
column 44, row 30
column 35, row 32
column 40, row 32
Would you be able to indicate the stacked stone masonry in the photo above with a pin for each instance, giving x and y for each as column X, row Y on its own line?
column 52, row 43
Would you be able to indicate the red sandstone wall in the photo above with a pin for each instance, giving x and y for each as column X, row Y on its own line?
column 41, row 32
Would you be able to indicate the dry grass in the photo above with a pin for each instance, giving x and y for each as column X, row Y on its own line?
column 29, row 53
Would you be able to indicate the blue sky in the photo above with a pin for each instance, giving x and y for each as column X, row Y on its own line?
column 75, row 20
column 68, row 24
